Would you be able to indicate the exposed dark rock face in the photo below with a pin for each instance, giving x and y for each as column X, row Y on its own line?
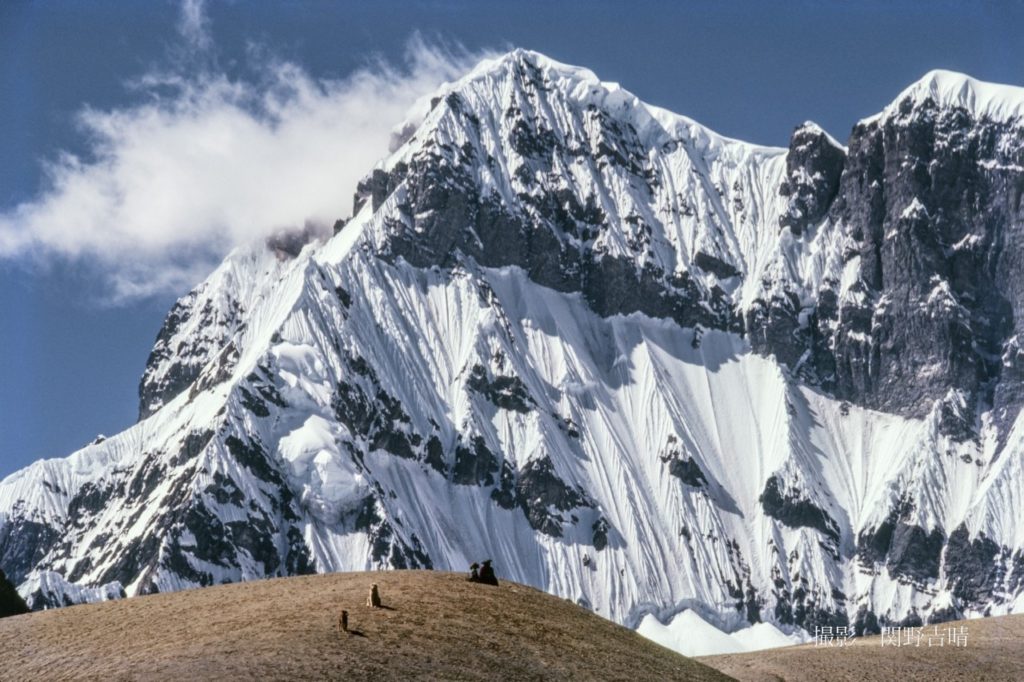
column 505, row 493
column 972, row 567
column 806, row 607
column 225, row 491
column 11, row 603
column 611, row 285
column 194, row 542
column 794, row 511
column 253, row 403
column 435, row 457
column 914, row 553
column 906, row 549
column 216, row 372
column 298, row 560
column 932, row 198
column 681, row 466
column 687, row 471
column 600, row 528
column 376, row 187
column 873, row 544
column 137, row 556
column 147, row 477
column 506, row 392
column 866, row 622
column 387, row 548
column 380, row 419
column 23, row 543
column 183, row 536
column 814, row 165
column 152, row 394
column 957, row 416
column 475, row 464
column 774, row 328
column 191, row 445
column 259, row 392
column 542, row 495
column 252, row 456
column 539, row 490
column 550, row 235
column 719, row 267
column 161, row 381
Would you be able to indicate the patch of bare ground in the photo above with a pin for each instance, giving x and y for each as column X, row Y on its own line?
column 433, row 625
column 994, row 652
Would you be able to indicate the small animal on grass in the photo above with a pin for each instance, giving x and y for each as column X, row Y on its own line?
column 343, row 621
column 373, row 600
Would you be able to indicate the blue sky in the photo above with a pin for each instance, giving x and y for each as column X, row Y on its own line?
column 83, row 291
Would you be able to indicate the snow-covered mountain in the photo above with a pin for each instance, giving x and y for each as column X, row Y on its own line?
column 636, row 363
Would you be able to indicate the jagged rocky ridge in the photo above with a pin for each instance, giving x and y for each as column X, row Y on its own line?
column 636, row 363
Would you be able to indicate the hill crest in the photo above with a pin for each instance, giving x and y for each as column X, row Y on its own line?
column 432, row 625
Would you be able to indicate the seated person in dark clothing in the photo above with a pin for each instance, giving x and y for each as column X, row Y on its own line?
column 474, row 577
column 487, row 576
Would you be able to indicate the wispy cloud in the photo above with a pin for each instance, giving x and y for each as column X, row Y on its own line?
column 203, row 161
column 194, row 24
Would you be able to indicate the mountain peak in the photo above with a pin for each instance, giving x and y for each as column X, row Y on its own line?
column 521, row 79
column 639, row 365
column 952, row 89
column 530, row 59
column 810, row 128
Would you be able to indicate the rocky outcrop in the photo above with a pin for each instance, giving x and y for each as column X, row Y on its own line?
column 195, row 334
column 792, row 509
column 931, row 198
column 443, row 214
column 814, row 165
column 505, row 392
column 23, row 544
column 11, row 603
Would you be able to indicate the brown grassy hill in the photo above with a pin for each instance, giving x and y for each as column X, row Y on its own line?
column 435, row 626
column 994, row 651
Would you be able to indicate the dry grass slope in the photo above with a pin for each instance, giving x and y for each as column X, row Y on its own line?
column 434, row 626
column 994, row 652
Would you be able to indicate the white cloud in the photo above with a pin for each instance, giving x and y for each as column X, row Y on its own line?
column 203, row 162
column 194, row 24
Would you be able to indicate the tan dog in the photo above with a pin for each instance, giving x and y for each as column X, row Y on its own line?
column 374, row 599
